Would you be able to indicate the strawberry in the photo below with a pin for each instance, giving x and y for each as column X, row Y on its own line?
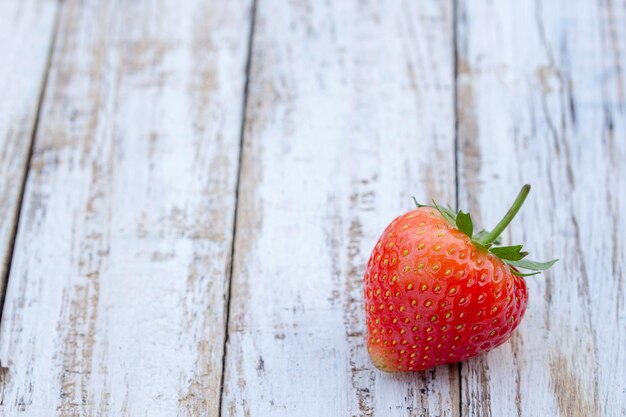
column 437, row 293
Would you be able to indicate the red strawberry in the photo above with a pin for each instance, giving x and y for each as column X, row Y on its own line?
column 436, row 293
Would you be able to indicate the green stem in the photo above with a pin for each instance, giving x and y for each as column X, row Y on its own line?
column 517, row 204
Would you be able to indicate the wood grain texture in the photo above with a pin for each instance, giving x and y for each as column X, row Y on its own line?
column 26, row 32
column 116, row 298
column 350, row 112
column 541, row 98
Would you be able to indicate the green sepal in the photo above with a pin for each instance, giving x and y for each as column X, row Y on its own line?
column 532, row 265
column 417, row 204
column 464, row 223
column 448, row 210
column 491, row 241
column 481, row 246
column 521, row 274
column 509, row 253
column 446, row 214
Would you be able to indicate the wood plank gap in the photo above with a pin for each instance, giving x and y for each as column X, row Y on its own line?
column 455, row 56
column 239, row 164
column 29, row 154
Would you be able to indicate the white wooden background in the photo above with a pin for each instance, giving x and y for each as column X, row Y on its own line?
column 190, row 191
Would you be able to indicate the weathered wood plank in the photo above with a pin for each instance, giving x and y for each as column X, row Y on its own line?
column 542, row 100
column 26, row 32
column 350, row 111
column 116, row 299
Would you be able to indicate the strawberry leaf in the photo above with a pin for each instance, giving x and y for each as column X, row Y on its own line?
column 491, row 240
column 481, row 246
column 464, row 223
column 417, row 204
column 446, row 214
column 521, row 274
column 449, row 212
column 509, row 253
column 532, row 265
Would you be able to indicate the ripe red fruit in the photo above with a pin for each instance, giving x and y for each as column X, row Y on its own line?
column 436, row 293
